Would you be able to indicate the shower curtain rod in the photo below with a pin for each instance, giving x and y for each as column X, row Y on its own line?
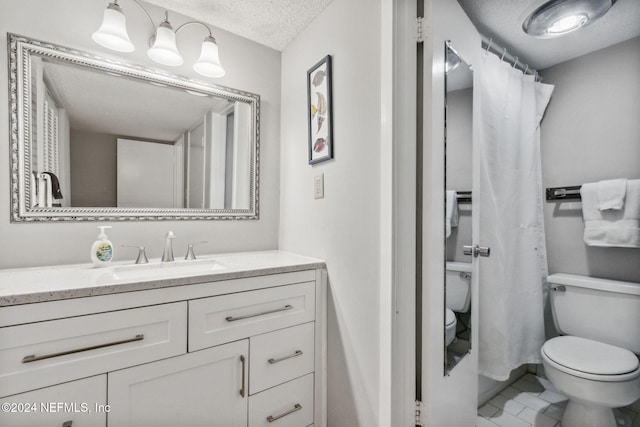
column 503, row 54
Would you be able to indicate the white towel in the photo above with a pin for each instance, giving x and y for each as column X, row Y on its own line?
column 617, row 228
column 451, row 211
column 611, row 194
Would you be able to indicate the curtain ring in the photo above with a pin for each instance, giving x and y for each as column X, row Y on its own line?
column 488, row 46
column 504, row 52
column 515, row 62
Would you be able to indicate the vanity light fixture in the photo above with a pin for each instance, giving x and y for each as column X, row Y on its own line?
column 164, row 50
column 112, row 34
column 559, row 17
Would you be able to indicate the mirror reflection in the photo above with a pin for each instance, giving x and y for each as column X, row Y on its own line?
column 458, row 180
column 111, row 138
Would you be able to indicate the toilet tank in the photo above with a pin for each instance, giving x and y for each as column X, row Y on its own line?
column 599, row 309
column 458, row 286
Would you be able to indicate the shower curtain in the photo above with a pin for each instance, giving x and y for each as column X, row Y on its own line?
column 512, row 291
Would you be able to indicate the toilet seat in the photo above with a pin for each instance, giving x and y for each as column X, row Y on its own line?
column 450, row 324
column 450, row 317
column 590, row 359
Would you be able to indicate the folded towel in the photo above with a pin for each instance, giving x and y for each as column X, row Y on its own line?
column 611, row 194
column 451, row 211
column 619, row 228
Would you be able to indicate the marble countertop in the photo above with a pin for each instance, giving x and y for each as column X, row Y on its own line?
column 40, row 284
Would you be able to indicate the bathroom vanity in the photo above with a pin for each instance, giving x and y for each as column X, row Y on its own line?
column 231, row 340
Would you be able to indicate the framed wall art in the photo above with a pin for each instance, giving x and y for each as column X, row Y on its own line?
column 320, row 117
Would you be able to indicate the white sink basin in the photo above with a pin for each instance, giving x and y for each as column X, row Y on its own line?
column 166, row 269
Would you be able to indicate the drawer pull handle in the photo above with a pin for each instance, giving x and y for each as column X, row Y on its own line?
column 242, row 360
column 297, row 407
column 33, row 357
column 297, row 353
column 67, row 424
column 247, row 316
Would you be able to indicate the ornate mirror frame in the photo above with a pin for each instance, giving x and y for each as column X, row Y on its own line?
column 20, row 50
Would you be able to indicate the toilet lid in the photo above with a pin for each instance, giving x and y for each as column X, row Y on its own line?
column 449, row 317
column 593, row 357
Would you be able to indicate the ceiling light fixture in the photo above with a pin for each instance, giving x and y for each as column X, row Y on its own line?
column 112, row 34
column 559, row 17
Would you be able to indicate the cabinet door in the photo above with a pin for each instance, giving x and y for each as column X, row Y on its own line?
column 80, row 403
column 207, row 387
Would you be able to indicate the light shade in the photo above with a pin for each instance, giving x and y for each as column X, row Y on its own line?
column 164, row 50
column 112, row 34
column 209, row 62
column 558, row 17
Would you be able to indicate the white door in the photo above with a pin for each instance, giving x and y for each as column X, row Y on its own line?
column 146, row 175
column 449, row 393
column 203, row 388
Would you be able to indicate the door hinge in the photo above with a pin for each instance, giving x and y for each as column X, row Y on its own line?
column 419, row 413
column 420, row 30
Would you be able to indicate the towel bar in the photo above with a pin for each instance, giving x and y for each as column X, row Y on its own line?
column 463, row 196
column 564, row 193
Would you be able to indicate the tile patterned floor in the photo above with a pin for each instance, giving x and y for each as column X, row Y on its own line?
column 533, row 402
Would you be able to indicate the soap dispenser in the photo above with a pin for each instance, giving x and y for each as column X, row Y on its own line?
column 102, row 249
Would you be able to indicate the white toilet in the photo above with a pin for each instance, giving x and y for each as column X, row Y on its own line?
column 593, row 363
column 458, row 286
column 450, row 324
column 458, row 295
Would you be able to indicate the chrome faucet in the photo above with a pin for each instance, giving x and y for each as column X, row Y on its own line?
column 167, row 255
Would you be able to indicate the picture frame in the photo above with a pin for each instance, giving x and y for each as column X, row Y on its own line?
column 319, row 104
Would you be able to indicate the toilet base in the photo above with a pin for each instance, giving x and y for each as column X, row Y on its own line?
column 578, row 415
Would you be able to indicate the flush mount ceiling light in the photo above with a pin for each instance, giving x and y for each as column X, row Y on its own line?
column 451, row 63
column 113, row 35
column 558, row 17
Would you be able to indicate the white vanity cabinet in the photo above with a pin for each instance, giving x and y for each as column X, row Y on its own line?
column 76, row 403
column 203, row 388
column 236, row 352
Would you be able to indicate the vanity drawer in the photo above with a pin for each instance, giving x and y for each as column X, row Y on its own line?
column 77, row 403
column 225, row 318
column 41, row 354
column 287, row 405
column 280, row 356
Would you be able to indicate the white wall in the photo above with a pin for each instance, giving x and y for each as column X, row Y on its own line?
column 591, row 132
column 344, row 227
column 250, row 66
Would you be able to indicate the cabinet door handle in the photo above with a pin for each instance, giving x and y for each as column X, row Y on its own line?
column 67, row 424
column 242, row 360
column 297, row 353
column 247, row 316
column 33, row 357
column 297, row 407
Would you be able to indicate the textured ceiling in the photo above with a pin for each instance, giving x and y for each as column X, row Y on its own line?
column 502, row 21
column 98, row 102
column 273, row 23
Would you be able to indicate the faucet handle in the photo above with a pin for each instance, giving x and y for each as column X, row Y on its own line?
column 190, row 254
column 142, row 256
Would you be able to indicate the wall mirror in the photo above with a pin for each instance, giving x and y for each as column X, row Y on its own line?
column 458, row 180
column 95, row 139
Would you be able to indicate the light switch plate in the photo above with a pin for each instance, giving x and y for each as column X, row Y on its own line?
column 318, row 186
